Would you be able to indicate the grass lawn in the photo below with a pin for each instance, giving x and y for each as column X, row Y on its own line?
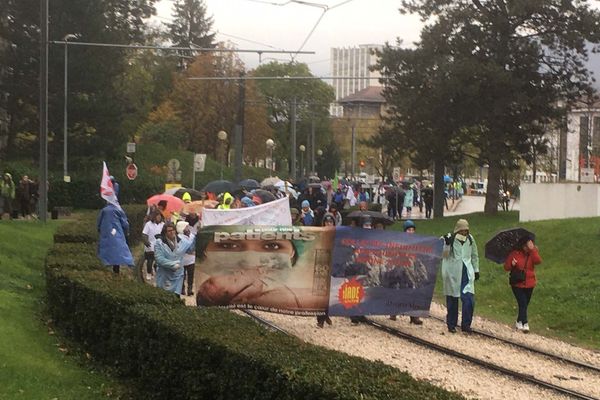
column 566, row 301
column 33, row 363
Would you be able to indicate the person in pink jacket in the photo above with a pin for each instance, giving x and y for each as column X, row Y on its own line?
column 523, row 258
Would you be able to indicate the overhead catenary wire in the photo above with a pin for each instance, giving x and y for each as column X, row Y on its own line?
column 176, row 48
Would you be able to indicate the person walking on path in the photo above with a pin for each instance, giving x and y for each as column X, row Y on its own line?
column 521, row 262
column 152, row 228
column 409, row 227
column 427, row 194
column 169, row 250
column 460, row 270
column 7, row 194
column 24, row 195
column 113, row 228
column 408, row 202
column 184, row 231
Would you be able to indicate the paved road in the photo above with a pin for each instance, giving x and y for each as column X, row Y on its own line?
column 468, row 205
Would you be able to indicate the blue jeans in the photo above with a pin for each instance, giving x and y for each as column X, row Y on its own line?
column 468, row 305
column 523, row 296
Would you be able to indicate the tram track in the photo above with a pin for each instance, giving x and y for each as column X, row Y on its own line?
column 525, row 347
column 482, row 363
column 528, row 378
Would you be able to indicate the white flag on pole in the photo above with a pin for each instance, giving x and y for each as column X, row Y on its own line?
column 107, row 190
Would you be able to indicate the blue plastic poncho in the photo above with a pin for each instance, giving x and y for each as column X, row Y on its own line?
column 169, row 264
column 113, row 228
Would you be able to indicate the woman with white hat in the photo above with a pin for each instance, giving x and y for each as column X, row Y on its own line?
column 460, row 270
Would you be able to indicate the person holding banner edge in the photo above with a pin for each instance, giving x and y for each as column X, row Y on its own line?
column 460, row 270
column 409, row 227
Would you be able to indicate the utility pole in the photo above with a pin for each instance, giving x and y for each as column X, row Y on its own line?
column 293, row 171
column 312, row 146
column 353, row 150
column 43, row 112
column 239, row 130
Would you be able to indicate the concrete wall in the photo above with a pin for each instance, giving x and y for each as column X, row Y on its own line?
column 559, row 201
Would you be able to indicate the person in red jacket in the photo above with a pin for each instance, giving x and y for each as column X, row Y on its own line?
column 524, row 258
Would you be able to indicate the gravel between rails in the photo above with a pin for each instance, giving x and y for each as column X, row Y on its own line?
column 445, row 371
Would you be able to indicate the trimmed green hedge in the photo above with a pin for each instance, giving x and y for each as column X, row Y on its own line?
column 177, row 352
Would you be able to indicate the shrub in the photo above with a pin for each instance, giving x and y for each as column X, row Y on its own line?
column 177, row 352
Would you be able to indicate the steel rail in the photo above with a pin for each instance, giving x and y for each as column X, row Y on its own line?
column 567, row 360
column 265, row 322
column 477, row 361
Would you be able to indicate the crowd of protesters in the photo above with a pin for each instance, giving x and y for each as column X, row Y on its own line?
column 169, row 239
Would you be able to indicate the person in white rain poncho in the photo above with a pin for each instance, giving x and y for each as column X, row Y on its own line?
column 460, row 270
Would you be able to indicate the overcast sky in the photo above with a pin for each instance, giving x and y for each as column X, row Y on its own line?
column 286, row 27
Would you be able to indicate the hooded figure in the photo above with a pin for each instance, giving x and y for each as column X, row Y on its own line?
column 169, row 250
column 187, row 198
column 460, row 270
column 7, row 193
column 227, row 201
column 112, row 244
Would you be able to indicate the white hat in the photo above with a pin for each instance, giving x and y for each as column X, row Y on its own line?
column 181, row 225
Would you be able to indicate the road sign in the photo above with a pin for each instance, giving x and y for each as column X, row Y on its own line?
column 396, row 174
column 199, row 162
column 131, row 147
column 131, row 171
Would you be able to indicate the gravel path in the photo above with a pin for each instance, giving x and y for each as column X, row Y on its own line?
column 446, row 371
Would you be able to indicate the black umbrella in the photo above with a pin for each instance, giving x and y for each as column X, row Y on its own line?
column 195, row 194
column 263, row 195
column 375, row 216
column 249, row 184
column 220, row 186
column 503, row 242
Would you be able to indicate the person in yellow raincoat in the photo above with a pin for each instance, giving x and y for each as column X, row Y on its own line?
column 460, row 270
column 225, row 204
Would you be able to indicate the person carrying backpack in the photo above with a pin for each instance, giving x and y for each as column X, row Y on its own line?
column 460, row 270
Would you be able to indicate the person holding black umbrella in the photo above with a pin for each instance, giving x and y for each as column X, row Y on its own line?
column 521, row 263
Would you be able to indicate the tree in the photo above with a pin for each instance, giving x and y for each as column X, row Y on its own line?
column 525, row 58
column 428, row 96
column 190, row 27
column 312, row 97
column 95, row 107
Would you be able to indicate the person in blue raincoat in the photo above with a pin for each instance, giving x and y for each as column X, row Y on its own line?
column 169, row 250
column 113, row 228
column 460, row 270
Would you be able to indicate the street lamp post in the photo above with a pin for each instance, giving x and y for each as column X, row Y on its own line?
column 65, row 118
column 302, row 150
column 319, row 154
column 222, row 135
column 270, row 144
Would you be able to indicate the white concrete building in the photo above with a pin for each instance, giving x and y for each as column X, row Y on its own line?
column 581, row 144
column 352, row 62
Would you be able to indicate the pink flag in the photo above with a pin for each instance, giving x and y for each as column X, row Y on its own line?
column 107, row 190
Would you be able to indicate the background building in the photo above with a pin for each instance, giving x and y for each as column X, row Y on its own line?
column 352, row 62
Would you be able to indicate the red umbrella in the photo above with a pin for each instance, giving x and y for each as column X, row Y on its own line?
column 174, row 204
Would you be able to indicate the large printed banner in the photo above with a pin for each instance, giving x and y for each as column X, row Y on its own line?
column 281, row 269
column 308, row 270
column 269, row 214
column 377, row 272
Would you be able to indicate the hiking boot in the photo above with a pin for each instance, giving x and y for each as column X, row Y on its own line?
column 525, row 328
column 416, row 321
column 519, row 326
column 452, row 330
column 467, row 329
